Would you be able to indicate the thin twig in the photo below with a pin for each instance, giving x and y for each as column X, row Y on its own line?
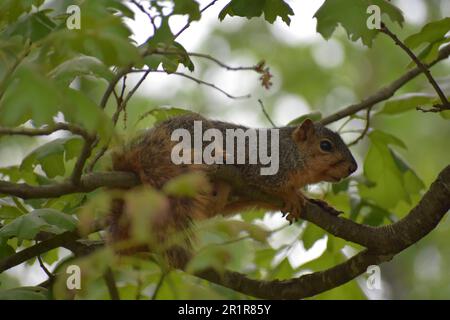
column 265, row 113
column 199, row 81
column 82, row 158
column 124, row 86
column 115, row 118
column 139, row 284
column 187, row 25
column 445, row 104
column 366, row 129
column 159, row 284
column 44, row 268
column 208, row 57
column 384, row 93
column 124, row 102
column 111, row 284
column 141, row 7
column 112, row 84
column 344, row 124
column 9, row 72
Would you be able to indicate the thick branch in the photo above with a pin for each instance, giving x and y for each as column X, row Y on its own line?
column 383, row 243
column 386, row 239
column 305, row 286
column 36, row 250
column 87, row 183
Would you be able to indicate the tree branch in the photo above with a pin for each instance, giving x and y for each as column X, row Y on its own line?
column 299, row 288
column 199, row 81
column 188, row 24
column 45, row 130
column 88, row 183
column 382, row 243
column 111, row 284
column 81, row 161
column 445, row 104
column 365, row 130
column 384, row 93
column 36, row 250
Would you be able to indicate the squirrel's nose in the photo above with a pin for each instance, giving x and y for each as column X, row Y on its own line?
column 352, row 167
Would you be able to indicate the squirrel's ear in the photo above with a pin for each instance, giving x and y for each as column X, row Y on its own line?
column 304, row 131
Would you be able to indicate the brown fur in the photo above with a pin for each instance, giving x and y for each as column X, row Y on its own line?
column 302, row 162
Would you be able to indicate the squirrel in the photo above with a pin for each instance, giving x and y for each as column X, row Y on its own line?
column 308, row 153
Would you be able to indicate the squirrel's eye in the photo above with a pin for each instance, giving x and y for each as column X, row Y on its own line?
column 326, row 145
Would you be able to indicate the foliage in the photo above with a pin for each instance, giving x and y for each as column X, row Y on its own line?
column 51, row 75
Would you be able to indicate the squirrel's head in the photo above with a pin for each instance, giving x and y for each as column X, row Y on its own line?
column 325, row 156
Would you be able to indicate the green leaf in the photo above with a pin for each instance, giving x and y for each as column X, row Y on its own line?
column 15, row 173
column 386, row 138
column 340, row 186
column 187, row 185
column 311, row 234
column 264, row 258
column 24, row 293
column 219, row 230
column 67, row 71
column 413, row 183
column 431, row 33
column 103, row 34
column 314, row 116
column 9, row 212
column 10, row 10
column 283, row 271
column 249, row 9
column 56, row 218
column 445, row 114
column 163, row 35
column 375, row 216
column 34, row 27
column 252, row 214
column 352, row 16
column 6, row 250
column 255, row 8
column 277, row 8
column 80, row 109
column 27, row 226
column 231, row 256
column 162, row 114
column 40, row 103
column 430, row 53
column 141, row 205
column 383, row 167
column 51, row 256
column 406, row 102
column 189, row 7
column 51, row 155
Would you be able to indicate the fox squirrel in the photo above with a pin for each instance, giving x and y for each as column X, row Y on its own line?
column 308, row 153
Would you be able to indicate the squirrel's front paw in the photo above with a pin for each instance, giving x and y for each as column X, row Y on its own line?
column 325, row 206
column 293, row 207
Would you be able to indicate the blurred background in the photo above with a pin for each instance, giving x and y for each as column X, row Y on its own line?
column 310, row 74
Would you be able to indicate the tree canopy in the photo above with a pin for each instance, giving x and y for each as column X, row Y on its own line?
column 76, row 80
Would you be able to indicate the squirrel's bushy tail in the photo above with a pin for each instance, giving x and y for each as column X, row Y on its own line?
column 150, row 158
